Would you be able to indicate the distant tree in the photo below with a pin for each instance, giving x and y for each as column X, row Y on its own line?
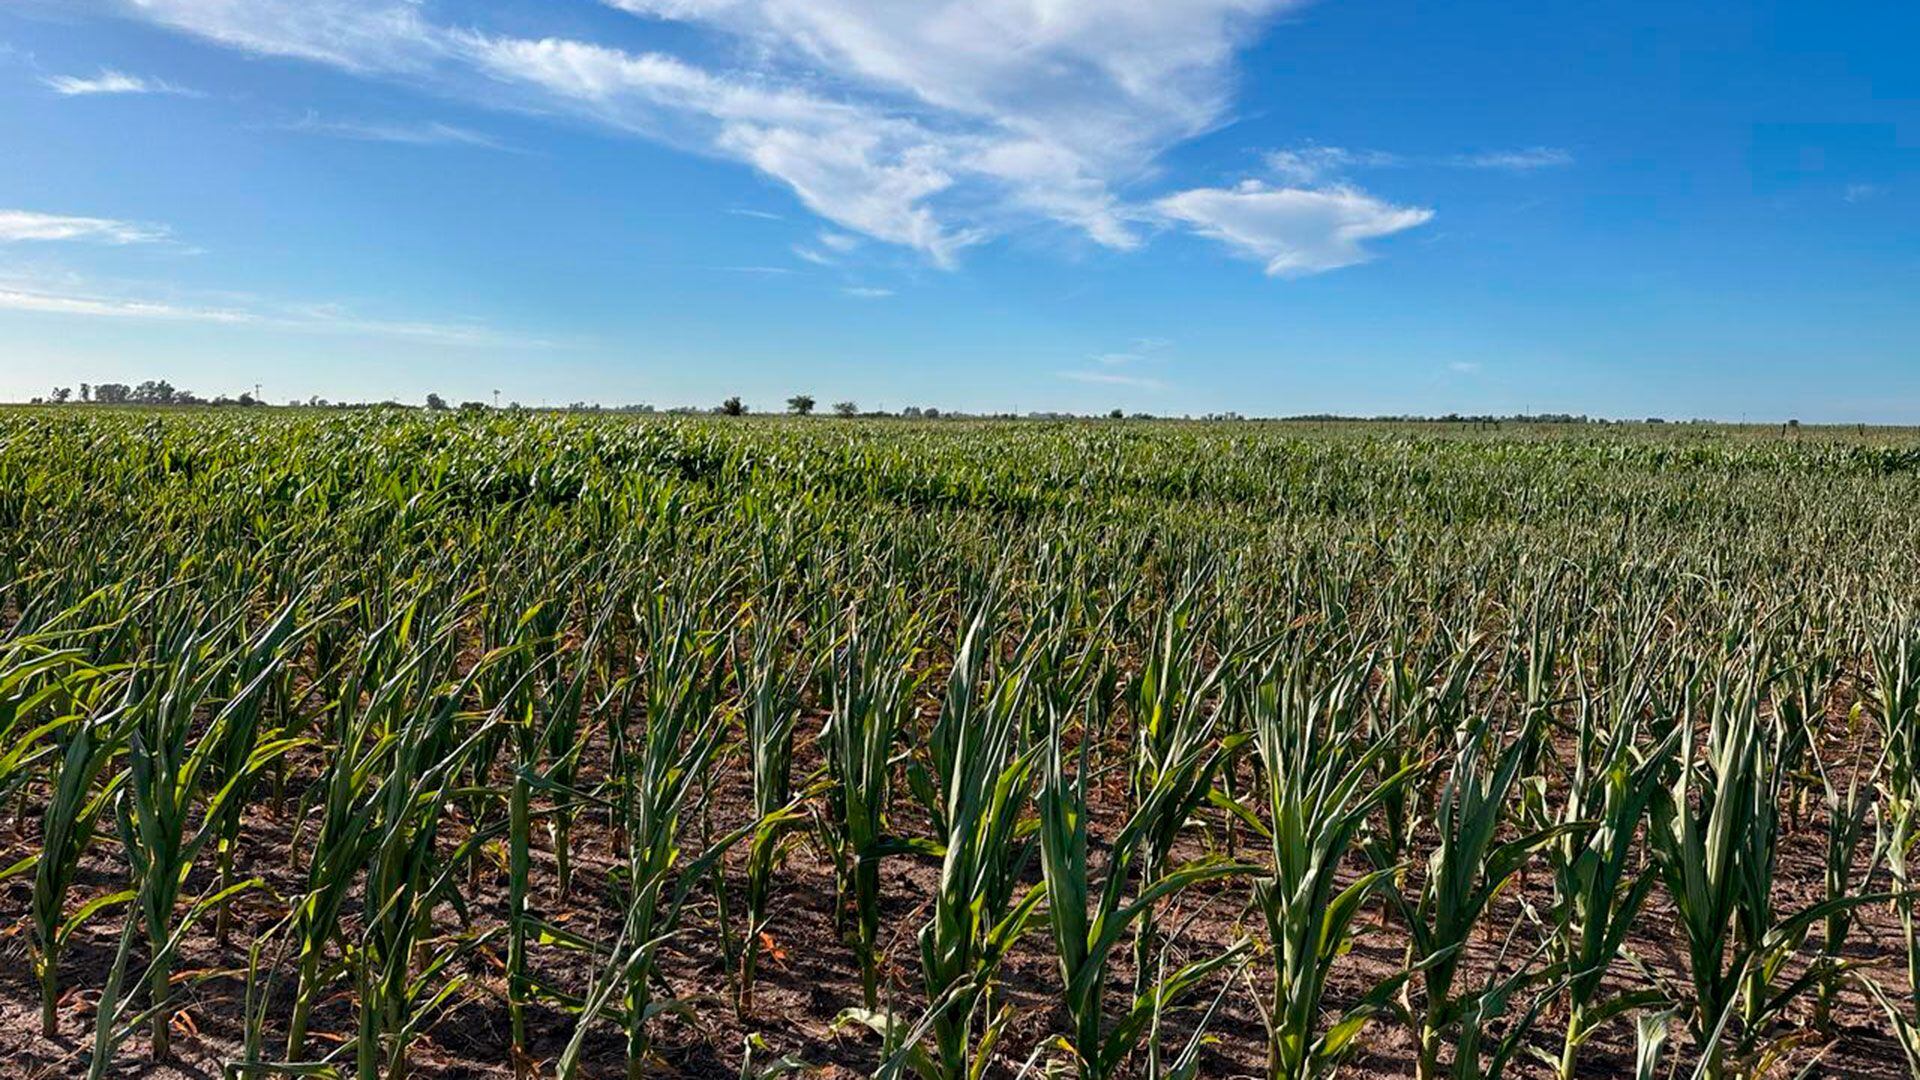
column 913, row 412
column 732, row 407
column 473, row 406
column 1117, row 414
column 112, row 393
column 845, row 408
column 436, row 403
column 933, row 413
column 155, row 392
column 61, row 394
column 86, row 392
column 800, row 404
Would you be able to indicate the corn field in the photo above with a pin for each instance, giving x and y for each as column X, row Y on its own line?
column 381, row 745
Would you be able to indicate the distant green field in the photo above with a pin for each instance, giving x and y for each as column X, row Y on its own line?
column 377, row 740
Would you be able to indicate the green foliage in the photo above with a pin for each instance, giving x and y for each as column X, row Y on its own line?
column 546, row 696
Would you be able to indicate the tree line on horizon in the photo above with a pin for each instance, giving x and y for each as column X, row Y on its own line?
column 162, row 392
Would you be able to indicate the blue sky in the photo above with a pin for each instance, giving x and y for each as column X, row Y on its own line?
column 1255, row 205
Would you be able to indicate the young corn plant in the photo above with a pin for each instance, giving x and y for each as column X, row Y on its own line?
column 1715, row 838
column 1615, row 776
column 542, row 706
column 773, row 680
column 682, row 732
column 402, row 959
column 1464, row 872
column 75, row 801
column 1424, row 687
column 1847, row 809
column 1320, row 770
column 56, row 727
column 236, row 768
column 402, row 665
column 978, row 912
column 163, row 825
column 930, row 773
column 1896, row 695
column 872, row 689
column 1089, row 921
column 1177, row 712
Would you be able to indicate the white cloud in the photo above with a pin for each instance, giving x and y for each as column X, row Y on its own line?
column 431, row 133
column 1295, row 231
column 1049, row 102
column 1110, row 378
column 930, row 125
column 1313, row 164
column 852, row 165
column 865, row 292
column 1464, row 367
column 110, row 81
column 1142, row 349
column 339, row 319
column 839, row 242
column 369, row 36
column 70, row 299
column 105, row 307
column 18, row 225
column 1528, row 160
column 859, row 179
column 1857, row 193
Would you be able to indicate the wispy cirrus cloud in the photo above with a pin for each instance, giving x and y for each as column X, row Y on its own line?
column 1141, row 349
column 25, row 225
column 866, row 292
column 1313, row 164
column 1113, row 378
column 73, row 299
column 429, row 133
column 1316, row 164
column 57, row 303
column 1527, row 160
column 110, row 81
